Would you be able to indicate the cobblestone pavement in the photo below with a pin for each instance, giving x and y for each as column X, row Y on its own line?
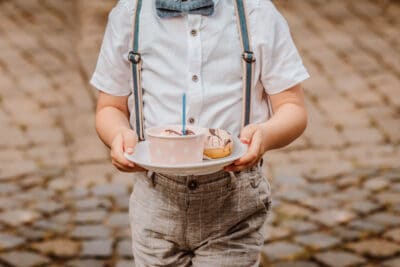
column 336, row 189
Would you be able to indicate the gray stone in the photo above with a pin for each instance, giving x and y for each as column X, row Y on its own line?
column 393, row 234
column 48, row 225
column 299, row 226
column 32, row 234
column 392, row 262
column 86, row 263
column 376, row 248
column 95, row 216
column 282, row 251
column 339, row 259
column 124, row 248
column 8, row 241
column 125, row 263
column 23, row 258
column 364, row 206
column 347, row 234
column 275, row 232
column 320, row 188
column 366, row 226
column 97, row 248
column 332, row 217
column 63, row 248
column 109, row 190
column 7, row 189
column 376, row 184
column 317, row 240
column 18, row 217
column 122, row 202
column 293, row 195
column 93, row 203
column 91, row 231
column 384, row 218
column 49, row 207
column 120, row 219
column 296, row 264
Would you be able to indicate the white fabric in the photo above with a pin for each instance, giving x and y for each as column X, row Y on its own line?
column 172, row 55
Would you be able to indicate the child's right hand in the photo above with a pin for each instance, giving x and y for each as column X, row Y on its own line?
column 124, row 141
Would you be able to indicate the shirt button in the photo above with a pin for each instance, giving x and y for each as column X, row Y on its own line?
column 191, row 120
column 195, row 78
column 192, row 185
column 193, row 32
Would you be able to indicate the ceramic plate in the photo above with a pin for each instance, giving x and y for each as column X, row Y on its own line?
column 142, row 158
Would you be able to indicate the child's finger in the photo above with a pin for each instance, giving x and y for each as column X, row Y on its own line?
column 247, row 133
column 252, row 152
column 130, row 141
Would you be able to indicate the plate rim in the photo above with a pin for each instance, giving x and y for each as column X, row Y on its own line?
column 203, row 164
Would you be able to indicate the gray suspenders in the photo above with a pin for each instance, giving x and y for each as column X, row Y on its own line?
column 136, row 65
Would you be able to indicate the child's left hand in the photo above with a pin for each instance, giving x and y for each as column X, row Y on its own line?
column 251, row 135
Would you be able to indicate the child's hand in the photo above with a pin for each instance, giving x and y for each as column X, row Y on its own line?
column 253, row 137
column 125, row 141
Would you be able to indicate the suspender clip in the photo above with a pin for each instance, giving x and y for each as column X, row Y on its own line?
column 248, row 56
column 134, row 57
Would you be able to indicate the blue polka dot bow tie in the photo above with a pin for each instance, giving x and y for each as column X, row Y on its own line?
column 175, row 8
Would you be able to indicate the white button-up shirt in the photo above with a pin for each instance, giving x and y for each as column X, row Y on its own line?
column 199, row 55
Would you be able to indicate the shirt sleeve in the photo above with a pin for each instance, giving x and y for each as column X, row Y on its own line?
column 112, row 73
column 282, row 66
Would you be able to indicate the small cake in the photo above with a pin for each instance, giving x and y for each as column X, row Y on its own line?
column 218, row 144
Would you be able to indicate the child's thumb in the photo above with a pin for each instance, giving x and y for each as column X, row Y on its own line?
column 130, row 141
column 247, row 133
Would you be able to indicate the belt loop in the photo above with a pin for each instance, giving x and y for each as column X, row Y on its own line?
column 152, row 176
column 233, row 179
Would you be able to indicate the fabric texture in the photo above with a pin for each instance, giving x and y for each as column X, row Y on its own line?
column 174, row 8
column 202, row 56
column 214, row 220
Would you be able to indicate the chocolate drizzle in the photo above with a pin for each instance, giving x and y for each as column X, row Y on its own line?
column 188, row 132
column 214, row 133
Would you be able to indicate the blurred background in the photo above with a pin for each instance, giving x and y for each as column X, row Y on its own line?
column 336, row 190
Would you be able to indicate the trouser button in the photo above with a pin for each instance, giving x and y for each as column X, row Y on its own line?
column 192, row 185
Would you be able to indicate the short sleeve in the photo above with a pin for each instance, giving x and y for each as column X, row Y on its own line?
column 112, row 73
column 282, row 66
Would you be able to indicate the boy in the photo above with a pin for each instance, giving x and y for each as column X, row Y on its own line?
column 199, row 47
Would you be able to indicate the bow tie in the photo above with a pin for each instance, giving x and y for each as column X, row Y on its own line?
column 175, row 8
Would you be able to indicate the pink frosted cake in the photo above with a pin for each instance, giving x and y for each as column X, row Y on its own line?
column 168, row 146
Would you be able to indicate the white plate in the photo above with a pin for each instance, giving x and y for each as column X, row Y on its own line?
column 141, row 157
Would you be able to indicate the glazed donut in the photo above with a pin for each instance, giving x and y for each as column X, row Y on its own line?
column 218, row 144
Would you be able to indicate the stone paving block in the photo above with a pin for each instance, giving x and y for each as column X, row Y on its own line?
column 393, row 234
column 339, row 258
column 93, row 203
column 275, row 232
column 366, row 226
column 95, row 216
column 282, row 250
column 385, row 219
column 86, row 263
column 392, row 262
column 296, row 264
column 332, row 217
column 347, row 234
column 124, row 248
column 317, row 240
column 18, row 217
column 109, row 190
column 118, row 219
column 91, row 231
column 62, row 248
column 375, row 248
column 23, row 258
column 125, row 263
column 97, row 248
column 299, row 226
column 8, row 241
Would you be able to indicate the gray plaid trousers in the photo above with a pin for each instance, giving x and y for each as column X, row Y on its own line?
column 211, row 220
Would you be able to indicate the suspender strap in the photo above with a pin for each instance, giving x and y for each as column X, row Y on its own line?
column 248, row 60
column 136, row 65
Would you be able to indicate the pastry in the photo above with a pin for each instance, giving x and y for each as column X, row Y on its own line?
column 218, row 144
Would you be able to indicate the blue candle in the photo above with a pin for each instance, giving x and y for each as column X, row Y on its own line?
column 184, row 114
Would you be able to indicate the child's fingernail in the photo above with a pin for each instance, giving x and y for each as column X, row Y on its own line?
column 244, row 140
column 131, row 165
column 129, row 150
